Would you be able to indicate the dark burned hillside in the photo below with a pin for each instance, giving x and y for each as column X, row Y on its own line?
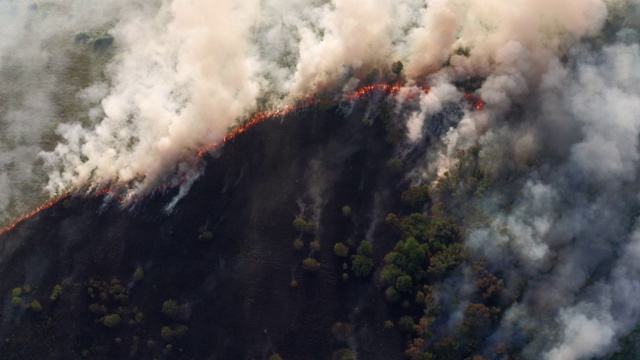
column 225, row 256
column 301, row 240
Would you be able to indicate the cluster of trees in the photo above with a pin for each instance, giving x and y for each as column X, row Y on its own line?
column 111, row 301
column 429, row 249
column 361, row 261
column 24, row 297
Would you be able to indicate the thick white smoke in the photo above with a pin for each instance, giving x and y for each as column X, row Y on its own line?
column 184, row 71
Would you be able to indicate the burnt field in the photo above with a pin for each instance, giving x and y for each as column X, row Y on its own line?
column 218, row 277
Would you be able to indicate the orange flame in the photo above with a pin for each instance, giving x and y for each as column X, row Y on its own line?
column 258, row 118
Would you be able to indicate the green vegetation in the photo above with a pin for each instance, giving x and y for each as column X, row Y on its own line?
column 315, row 245
column 138, row 275
column 429, row 247
column 303, row 225
column 112, row 320
column 16, row 292
column 365, row 248
column 298, row 244
column 206, row 235
column 405, row 323
column 35, row 306
column 57, row 290
column 275, row 357
column 170, row 308
column 416, row 196
column 169, row 334
column 341, row 250
column 346, row 211
column 395, row 166
column 361, row 265
column 392, row 295
column 310, row 264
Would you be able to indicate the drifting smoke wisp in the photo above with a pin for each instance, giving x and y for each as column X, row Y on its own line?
column 179, row 73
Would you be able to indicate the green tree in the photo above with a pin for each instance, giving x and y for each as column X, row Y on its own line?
column 170, row 308
column 404, row 283
column 346, row 211
column 57, row 290
column 36, row 306
column 310, row 264
column 406, row 323
column 298, row 244
column 301, row 225
column 365, row 248
column 341, row 250
column 206, row 235
column 315, row 245
column 396, row 166
column 138, row 275
column 390, row 274
column 392, row 295
column 112, row 320
column 361, row 265
column 416, row 196
column 417, row 256
column 446, row 259
column 169, row 334
column 348, row 355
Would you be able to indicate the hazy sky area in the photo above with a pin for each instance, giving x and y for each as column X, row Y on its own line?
column 123, row 94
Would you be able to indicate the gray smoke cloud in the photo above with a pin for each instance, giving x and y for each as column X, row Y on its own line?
column 566, row 223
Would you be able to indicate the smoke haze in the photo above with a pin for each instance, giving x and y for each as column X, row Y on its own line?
column 123, row 94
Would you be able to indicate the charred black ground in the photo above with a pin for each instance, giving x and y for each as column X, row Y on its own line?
column 221, row 277
column 224, row 254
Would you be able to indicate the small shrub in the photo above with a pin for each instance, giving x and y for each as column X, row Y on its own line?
column 169, row 334
column 391, row 295
column 112, row 320
column 404, row 283
column 395, row 166
column 301, row 225
column 206, row 235
column 315, row 245
column 293, row 283
column 170, row 308
column 310, row 264
column 275, row 357
column 365, row 248
column 341, row 250
column 346, row 211
column 35, row 306
column 405, row 323
column 416, row 196
column 138, row 275
column 57, row 290
column 17, row 292
column 298, row 244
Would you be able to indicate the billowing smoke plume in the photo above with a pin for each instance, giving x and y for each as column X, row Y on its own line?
column 123, row 94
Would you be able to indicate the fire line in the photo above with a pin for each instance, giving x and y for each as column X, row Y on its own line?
column 258, row 118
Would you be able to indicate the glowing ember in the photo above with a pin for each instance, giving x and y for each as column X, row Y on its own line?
column 386, row 89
